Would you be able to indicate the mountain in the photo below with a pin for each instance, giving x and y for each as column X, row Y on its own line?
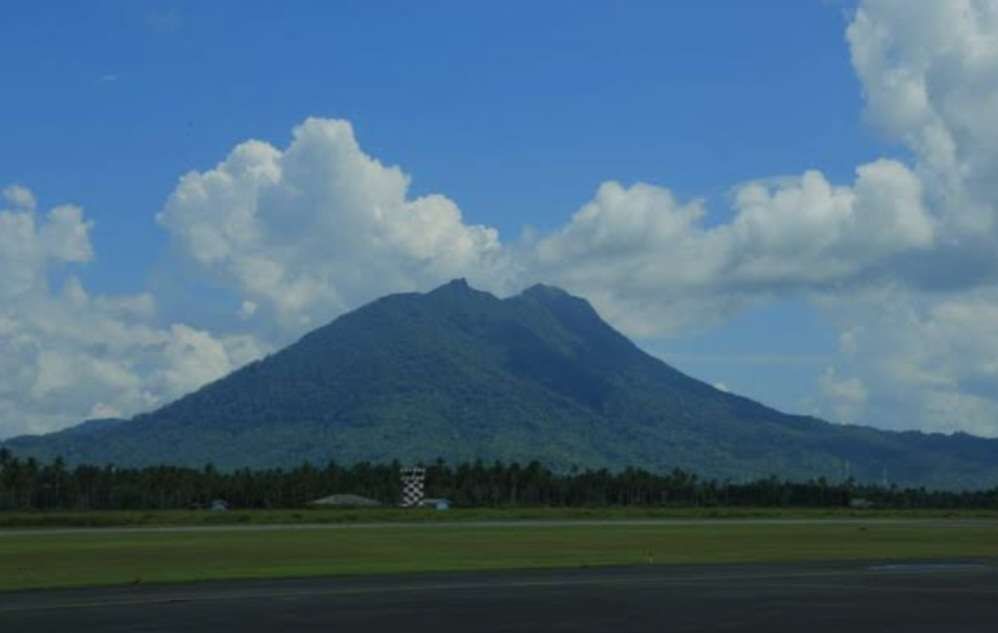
column 460, row 374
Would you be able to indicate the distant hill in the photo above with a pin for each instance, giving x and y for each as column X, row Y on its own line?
column 460, row 374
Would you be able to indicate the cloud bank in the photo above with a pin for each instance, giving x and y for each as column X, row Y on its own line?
column 320, row 227
column 921, row 342
column 66, row 355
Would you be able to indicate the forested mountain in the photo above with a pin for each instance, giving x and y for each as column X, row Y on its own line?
column 460, row 374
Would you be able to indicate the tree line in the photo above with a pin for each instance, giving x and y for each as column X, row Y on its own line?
column 26, row 484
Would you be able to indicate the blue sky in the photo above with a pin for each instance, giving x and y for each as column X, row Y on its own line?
column 483, row 104
column 517, row 114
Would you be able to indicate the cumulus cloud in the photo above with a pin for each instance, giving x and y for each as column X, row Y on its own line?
column 66, row 355
column 924, row 360
column 652, row 266
column 319, row 227
column 930, row 78
column 29, row 245
column 923, row 340
column 311, row 230
column 19, row 197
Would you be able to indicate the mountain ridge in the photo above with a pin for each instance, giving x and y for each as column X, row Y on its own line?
column 460, row 374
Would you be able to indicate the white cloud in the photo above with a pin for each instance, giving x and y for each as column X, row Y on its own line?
column 193, row 358
column 28, row 247
column 847, row 396
column 315, row 229
column 650, row 264
column 65, row 235
column 807, row 231
column 930, row 77
column 66, row 355
column 247, row 309
column 926, row 361
column 101, row 411
column 320, row 227
column 923, row 339
column 20, row 197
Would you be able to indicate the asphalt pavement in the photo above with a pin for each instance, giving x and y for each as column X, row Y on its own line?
column 946, row 596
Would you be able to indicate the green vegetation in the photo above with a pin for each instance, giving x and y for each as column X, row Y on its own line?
column 104, row 558
column 462, row 375
column 28, row 485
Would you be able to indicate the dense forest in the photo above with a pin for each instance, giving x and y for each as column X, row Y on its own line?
column 26, row 484
column 461, row 374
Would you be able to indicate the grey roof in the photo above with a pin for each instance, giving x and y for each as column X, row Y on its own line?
column 345, row 500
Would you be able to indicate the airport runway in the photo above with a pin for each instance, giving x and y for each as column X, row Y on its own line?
column 951, row 597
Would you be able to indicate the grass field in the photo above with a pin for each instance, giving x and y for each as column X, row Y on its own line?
column 125, row 518
column 39, row 560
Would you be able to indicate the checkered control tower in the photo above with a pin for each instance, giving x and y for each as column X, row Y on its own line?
column 413, row 478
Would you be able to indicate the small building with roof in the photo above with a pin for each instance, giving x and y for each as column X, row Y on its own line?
column 436, row 504
column 345, row 501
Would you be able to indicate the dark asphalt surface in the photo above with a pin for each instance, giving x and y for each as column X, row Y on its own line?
column 835, row 597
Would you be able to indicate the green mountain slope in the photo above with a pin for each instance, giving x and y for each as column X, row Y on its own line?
column 459, row 374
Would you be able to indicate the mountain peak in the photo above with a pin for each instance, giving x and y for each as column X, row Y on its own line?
column 454, row 286
column 460, row 374
column 459, row 283
column 458, row 292
column 544, row 290
column 562, row 302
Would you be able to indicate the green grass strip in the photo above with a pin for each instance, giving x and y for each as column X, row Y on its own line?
column 43, row 560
